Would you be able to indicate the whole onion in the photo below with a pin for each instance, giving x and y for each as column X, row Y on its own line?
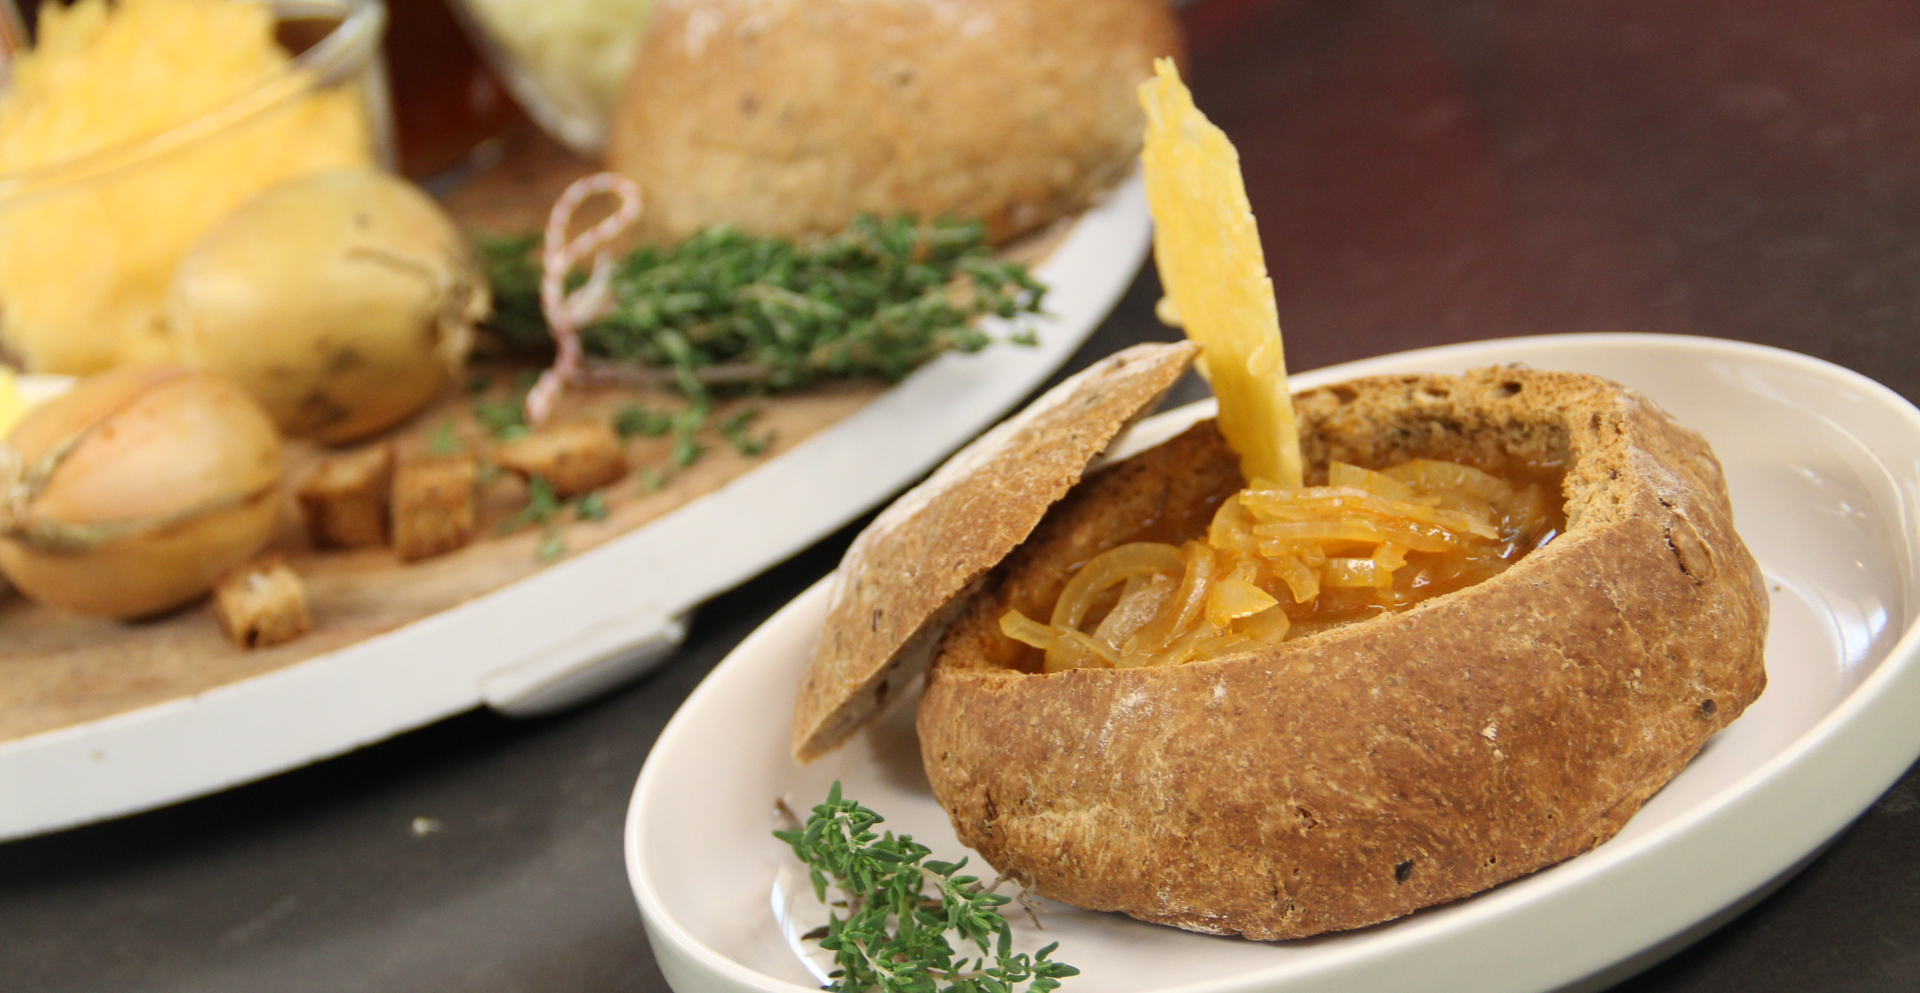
column 133, row 492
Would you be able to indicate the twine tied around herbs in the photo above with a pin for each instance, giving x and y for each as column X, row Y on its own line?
column 567, row 313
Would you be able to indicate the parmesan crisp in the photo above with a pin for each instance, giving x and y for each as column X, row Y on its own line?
column 1208, row 252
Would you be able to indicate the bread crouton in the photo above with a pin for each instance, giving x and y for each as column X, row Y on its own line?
column 573, row 458
column 344, row 498
column 433, row 504
column 261, row 603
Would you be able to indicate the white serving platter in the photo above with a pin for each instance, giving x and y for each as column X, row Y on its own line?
column 1824, row 468
column 592, row 621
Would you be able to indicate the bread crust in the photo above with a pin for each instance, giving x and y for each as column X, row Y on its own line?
column 908, row 571
column 791, row 117
column 1404, row 761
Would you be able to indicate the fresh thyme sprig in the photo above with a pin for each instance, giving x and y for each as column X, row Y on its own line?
column 734, row 430
column 544, row 508
column 894, row 937
column 727, row 309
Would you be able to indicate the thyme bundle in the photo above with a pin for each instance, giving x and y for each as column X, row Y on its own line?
column 728, row 309
column 893, row 938
column 727, row 312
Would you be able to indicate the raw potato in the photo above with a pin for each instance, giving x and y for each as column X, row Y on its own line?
column 161, row 479
column 1410, row 759
column 791, row 117
column 342, row 301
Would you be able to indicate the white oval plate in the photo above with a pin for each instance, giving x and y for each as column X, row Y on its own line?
column 1824, row 468
column 592, row 621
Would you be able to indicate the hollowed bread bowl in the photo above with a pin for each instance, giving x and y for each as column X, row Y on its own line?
column 1360, row 773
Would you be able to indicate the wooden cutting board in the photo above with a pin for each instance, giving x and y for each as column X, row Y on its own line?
column 59, row 669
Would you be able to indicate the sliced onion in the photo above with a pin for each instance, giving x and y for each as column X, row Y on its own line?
column 1367, row 542
column 1345, row 474
column 1232, row 599
column 1301, row 579
column 1267, row 627
column 1433, row 475
column 1348, row 573
column 1107, row 570
column 1065, row 649
column 1189, row 600
column 1143, row 597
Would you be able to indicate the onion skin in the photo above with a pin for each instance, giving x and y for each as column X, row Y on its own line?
column 172, row 478
column 342, row 301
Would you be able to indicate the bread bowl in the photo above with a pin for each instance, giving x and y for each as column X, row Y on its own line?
column 1276, row 780
column 1407, row 760
column 1358, row 774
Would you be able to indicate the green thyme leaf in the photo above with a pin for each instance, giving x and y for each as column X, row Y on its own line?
column 542, row 506
column 515, row 281
column 633, row 419
column 734, row 430
column 900, row 907
column 686, row 448
column 444, row 441
column 505, row 419
column 728, row 309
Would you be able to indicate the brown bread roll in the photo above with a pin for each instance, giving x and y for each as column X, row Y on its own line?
column 791, row 117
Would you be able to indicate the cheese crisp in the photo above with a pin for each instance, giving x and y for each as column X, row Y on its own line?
column 1280, row 559
column 1208, row 251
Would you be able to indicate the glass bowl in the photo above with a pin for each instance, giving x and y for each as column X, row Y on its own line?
column 88, row 244
column 564, row 60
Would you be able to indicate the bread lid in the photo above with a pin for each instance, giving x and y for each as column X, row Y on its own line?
column 906, row 574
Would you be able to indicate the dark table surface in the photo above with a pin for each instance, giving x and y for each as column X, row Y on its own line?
column 1424, row 172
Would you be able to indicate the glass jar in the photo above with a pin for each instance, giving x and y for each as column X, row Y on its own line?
column 564, row 60
column 88, row 244
column 449, row 107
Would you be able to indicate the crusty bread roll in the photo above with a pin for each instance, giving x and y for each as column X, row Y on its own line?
column 1360, row 773
column 791, row 117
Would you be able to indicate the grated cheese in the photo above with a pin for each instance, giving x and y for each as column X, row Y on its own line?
column 84, row 268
